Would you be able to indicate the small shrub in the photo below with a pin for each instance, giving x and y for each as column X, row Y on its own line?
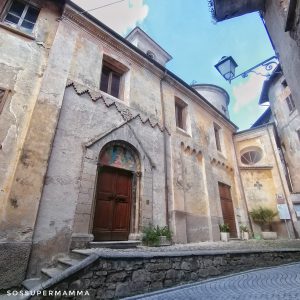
column 264, row 217
column 244, row 228
column 224, row 227
column 151, row 235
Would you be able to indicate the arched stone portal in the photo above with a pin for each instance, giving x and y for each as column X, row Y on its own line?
column 115, row 207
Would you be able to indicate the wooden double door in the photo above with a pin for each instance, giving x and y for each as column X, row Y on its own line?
column 227, row 208
column 113, row 205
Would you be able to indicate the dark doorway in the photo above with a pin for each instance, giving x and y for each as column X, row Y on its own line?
column 113, row 205
column 227, row 208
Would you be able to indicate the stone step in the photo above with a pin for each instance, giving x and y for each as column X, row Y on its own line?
column 115, row 244
column 68, row 262
column 31, row 283
column 80, row 253
column 51, row 272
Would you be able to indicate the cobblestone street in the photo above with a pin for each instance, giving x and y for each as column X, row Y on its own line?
column 281, row 282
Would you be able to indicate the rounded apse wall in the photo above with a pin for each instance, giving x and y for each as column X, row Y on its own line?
column 216, row 95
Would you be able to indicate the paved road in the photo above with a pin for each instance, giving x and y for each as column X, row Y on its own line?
column 272, row 283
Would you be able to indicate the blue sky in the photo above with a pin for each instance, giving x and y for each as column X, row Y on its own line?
column 185, row 29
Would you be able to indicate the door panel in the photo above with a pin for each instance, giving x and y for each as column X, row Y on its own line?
column 227, row 208
column 113, row 205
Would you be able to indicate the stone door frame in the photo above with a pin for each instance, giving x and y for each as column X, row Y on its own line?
column 84, row 214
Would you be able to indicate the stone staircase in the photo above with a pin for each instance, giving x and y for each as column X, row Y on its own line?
column 72, row 263
column 74, row 258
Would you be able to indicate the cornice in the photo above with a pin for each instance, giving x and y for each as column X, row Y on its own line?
column 104, row 37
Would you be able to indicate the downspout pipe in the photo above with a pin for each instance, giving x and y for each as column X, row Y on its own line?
column 243, row 190
column 165, row 133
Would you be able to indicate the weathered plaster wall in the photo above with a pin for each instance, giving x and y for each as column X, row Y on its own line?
column 71, row 176
column 23, row 63
column 264, row 181
column 286, row 45
column 196, row 208
column 287, row 125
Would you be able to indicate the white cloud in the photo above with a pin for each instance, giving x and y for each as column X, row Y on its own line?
column 248, row 91
column 120, row 16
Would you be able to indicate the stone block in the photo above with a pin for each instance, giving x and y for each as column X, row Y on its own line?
column 122, row 290
column 141, row 275
column 116, row 277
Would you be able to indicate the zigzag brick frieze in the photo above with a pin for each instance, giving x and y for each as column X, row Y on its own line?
column 128, row 114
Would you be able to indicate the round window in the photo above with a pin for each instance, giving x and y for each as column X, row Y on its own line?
column 151, row 54
column 251, row 157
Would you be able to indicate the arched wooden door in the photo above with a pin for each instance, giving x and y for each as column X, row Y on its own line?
column 113, row 205
column 114, row 194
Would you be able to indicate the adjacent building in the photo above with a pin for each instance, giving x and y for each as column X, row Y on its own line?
column 281, row 19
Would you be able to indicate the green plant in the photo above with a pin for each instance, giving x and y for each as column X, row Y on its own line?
column 165, row 231
column 224, row 227
column 244, row 228
column 264, row 217
column 151, row 235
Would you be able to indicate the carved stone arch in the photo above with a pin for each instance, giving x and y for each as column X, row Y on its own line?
column 143, row 182
column 119, row 158
column 120, row 154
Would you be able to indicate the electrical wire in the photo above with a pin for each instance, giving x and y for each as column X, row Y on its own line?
column 109, row 4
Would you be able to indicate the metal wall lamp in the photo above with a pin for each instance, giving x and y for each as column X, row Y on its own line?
column 227, row 66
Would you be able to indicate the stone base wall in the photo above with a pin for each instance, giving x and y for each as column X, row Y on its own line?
column 118, row 277
column 13, row 263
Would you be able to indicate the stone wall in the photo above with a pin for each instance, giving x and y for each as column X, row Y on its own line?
column 117, row 277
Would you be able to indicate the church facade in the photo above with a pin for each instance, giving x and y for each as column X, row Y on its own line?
column 100, row 139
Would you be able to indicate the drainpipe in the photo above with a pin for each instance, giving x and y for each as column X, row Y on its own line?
column 165, row 147
column 243, row 190
column 282, row 183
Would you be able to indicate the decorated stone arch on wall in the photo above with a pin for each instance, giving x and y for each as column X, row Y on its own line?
column 120, row 155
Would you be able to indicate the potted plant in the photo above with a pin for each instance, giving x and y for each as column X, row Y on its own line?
column 157, row 236
column 244, row 232
column 224, row 230
column 264, row 216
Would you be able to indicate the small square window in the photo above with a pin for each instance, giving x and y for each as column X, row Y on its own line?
column 22, row 15
column 180, row 113
column 111, row 79
column 290, row 103
column 217, row 130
